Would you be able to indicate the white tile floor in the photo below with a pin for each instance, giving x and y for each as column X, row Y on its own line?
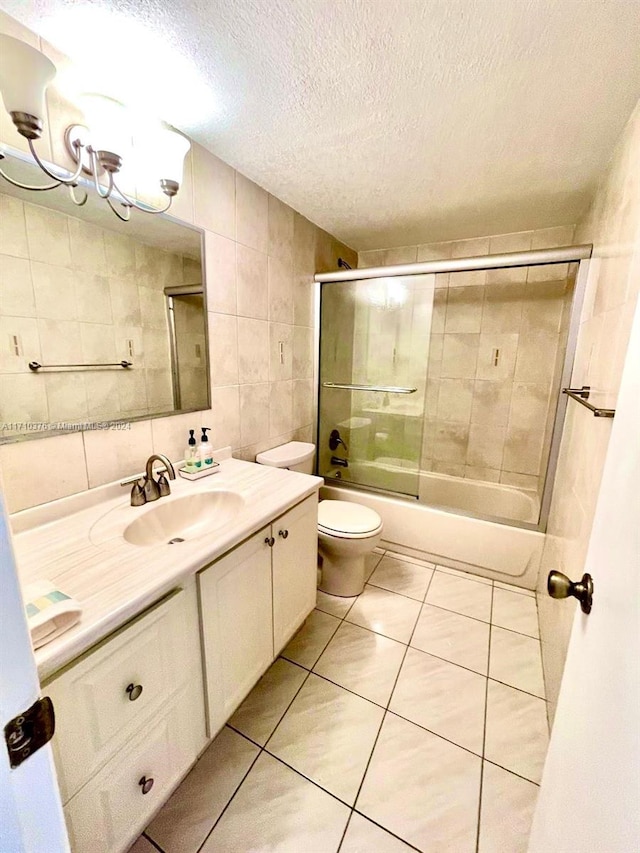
column 409, row 718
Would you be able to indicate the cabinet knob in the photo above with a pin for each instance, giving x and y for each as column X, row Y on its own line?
column 270, row 541
column 146, row 784
column 283, row 533
column 134, row 691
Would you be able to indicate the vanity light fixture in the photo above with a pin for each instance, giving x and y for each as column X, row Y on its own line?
column 97, row 151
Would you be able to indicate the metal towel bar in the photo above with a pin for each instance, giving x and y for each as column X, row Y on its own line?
column 35, row 365
column 581, row 395
column 384, row 389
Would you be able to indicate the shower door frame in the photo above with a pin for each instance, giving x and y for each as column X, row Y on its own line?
column 579, row 254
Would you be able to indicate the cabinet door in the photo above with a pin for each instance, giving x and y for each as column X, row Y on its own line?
column 295, row 565
column 237, row 625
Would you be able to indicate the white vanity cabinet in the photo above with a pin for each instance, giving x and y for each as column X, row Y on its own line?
column 129, row 723
column 252, row 601
column 130, row 711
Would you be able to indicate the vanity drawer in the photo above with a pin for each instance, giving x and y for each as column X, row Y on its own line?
column 104, row 698
column 109, row 813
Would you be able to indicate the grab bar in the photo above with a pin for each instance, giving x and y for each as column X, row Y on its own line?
column 384, row 389
column 581, row 395
column 35, row 365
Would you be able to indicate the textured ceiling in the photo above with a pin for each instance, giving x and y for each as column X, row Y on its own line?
column 387, row 122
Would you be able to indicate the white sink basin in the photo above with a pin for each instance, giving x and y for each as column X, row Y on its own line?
column 184, row 518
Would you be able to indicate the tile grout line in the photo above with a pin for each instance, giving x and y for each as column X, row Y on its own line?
column 484, row 727
column 229, row 801
column 152, row 842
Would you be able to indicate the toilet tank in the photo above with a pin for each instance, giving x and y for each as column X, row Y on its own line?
column 295, row 455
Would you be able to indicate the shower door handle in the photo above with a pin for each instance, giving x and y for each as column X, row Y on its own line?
column 560, row 586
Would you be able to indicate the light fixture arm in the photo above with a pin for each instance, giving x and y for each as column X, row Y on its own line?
column 129, row 202
column 22, row 186
column 127, row 207
column 69, row 180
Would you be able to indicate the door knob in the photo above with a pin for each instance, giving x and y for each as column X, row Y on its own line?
column 559, row 586
column 270, row 541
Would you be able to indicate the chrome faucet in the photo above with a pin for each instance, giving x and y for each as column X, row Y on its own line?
column 147, row 490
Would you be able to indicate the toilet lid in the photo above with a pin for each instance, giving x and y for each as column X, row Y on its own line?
column 347, row 517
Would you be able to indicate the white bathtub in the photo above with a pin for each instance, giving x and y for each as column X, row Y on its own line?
column 499, row 551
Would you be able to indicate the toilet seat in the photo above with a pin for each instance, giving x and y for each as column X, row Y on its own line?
column 346, row 520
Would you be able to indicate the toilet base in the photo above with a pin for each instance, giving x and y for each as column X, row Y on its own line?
column 344, row 576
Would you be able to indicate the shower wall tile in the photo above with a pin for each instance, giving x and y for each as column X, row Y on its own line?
column 502, row 308
column 491, row 402
column 455, row 399
column 462, row 314
column 434, row 251
column 536, row 358
column 507, row 346
column 459, row 356
column 485, row 446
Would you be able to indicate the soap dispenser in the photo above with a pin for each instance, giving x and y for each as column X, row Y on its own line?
column 192, row 461
column 204, row 450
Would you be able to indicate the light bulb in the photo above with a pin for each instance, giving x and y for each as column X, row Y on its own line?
column 25, row 74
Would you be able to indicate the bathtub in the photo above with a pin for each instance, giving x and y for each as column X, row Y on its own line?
column 435, row 526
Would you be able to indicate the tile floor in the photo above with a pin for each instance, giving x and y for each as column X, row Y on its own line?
column 409, row 718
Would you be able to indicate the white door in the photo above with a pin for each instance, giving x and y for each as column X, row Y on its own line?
column 31, row 819
column 589, row 799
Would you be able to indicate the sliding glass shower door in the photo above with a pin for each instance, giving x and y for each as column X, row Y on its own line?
column 373, row 374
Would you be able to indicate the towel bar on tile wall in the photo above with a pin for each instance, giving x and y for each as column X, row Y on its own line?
column 581, row 395
column 35, row 365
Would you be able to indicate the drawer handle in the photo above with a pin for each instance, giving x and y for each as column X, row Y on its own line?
column 146, row 784
column 270, row 541
column 134, row 691
column 283, row 533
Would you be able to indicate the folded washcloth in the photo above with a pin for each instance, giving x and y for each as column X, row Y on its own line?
column 50, row 612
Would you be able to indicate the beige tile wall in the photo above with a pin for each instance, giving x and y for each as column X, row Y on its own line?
column 482, row 420
column 260, row 260
column 613, row 226
column 71, row 292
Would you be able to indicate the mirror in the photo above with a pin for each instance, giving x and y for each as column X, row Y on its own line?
column 100, row 320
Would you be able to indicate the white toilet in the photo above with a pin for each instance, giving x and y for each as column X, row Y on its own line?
column 347, row 531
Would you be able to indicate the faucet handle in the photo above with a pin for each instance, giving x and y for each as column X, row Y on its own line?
column 138, row 497
column 163, row 486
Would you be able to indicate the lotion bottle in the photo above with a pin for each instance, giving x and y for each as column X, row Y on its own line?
column 205, row 452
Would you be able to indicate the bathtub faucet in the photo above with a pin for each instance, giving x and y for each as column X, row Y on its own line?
column 336, row 460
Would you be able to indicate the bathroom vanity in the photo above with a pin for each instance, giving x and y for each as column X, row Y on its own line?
column 172, row 639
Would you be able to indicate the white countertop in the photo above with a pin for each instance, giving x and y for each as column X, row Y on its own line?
column 114, row 580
